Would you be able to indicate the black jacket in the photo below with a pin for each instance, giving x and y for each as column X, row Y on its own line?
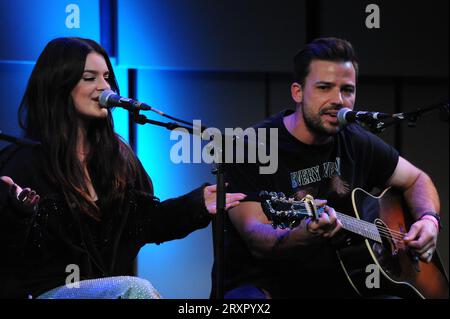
column 37, row 248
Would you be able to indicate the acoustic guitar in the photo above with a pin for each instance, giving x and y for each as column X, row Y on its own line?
column 380, row 223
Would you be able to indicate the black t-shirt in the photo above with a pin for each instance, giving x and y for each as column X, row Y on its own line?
column 354, row 158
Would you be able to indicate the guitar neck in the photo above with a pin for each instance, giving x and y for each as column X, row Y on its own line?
column 359, row 226
column 285, row 211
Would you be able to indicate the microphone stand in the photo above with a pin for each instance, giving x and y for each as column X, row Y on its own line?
column 411, row 117
column 219, row 218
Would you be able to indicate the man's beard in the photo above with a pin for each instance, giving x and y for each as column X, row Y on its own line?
column 316, row 125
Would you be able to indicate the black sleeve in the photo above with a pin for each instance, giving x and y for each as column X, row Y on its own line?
column 379, row 159
column 152, row 221
column 174, row 218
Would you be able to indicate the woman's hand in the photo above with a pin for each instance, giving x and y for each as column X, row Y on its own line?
column 25, row 199
column 210, row 195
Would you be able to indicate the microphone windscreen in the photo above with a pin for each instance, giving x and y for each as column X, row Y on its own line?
column 341, row 115
column 103, row 98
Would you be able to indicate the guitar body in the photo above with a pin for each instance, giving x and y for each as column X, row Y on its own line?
column 388, row 268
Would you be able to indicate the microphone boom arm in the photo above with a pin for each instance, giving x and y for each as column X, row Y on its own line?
column 411, row 117
column 142, row 119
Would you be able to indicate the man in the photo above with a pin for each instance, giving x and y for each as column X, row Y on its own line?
column 317, row 156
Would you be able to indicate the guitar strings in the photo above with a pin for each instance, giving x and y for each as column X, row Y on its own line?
column 386, row 233
column 387, row 230
column 396, row 236
column 370, row 225
column 390, row 234
column 383, row 231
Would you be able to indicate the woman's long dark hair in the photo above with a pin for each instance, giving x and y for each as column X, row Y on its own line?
column 47, row 114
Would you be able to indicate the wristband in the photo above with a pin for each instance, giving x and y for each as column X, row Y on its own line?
column 434, row 217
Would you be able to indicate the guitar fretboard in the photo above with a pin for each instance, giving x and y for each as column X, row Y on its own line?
column 360, row 227
column 296, row 210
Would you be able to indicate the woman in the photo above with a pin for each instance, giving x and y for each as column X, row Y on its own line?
column 96, row 205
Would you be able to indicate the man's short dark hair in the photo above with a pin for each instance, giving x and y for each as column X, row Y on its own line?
column 327, row 49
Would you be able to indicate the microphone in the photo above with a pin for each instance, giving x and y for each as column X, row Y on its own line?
column 345, row 116
column 109, row 98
